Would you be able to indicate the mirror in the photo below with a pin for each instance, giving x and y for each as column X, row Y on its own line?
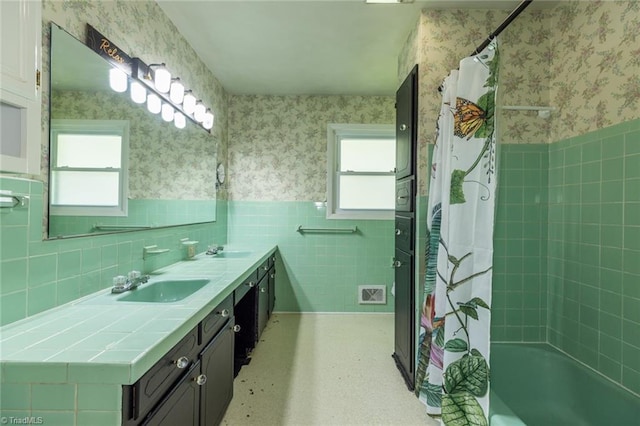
column 157, row 175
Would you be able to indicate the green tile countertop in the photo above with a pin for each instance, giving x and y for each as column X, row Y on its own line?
column 98, row 339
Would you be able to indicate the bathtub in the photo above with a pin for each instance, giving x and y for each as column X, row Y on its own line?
column 536, row 385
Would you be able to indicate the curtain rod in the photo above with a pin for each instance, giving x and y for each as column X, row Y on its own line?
column 513, row 15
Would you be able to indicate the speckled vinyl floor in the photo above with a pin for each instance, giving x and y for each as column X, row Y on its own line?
column 324, row 369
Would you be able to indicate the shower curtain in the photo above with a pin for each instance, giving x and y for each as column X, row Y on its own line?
column 453, row 372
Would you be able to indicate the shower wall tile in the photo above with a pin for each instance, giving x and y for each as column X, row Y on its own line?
column 594, row 250
column 519, row 276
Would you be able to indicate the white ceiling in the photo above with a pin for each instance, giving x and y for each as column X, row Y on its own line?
column 303, row 47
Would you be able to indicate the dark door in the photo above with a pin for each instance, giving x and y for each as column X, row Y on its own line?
column 272, row 291
column 182, row 405
column 404, row 315
column 406, row 125
column 406, row 143
column 217, row 366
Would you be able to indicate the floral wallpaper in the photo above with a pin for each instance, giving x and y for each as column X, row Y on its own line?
column 437, row 44
column 154, row 169
column 578, row 57
column 595, row 65
column 278, row 144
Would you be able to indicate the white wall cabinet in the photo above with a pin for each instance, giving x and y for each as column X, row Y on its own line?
column 20, row 97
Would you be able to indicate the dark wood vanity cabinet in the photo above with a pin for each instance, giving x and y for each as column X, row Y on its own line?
column 193, row 383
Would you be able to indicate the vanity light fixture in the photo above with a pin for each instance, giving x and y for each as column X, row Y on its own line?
column 138, row 92
column 207, row 122
column 151, row 84
column 189, row 102
column 179, row 120
column 199, row 112
column 176, row 92
column 167, row 112
column 161, row 77
column 154, row 105
column 117, row 80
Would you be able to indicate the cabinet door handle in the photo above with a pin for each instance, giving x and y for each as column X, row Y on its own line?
column 398, row 231
column 396, row 264
column 201, row 379
column 237, row 328
column 273, row 259
column 265, row 268
column 273, row 275
column 403, row 127
column 263, row 290
column 182, row 362
column 251, row 284
column 224, row 313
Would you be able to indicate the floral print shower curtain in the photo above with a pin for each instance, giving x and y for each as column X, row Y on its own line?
column 453, row 369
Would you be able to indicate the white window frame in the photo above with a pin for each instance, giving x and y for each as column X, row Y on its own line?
column 96, row 127
column 334, row 133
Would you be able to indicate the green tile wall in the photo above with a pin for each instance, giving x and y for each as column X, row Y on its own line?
column 594, row 250
column 140, row 212
column 519, row 305
column 37, row 275
column 322, row 272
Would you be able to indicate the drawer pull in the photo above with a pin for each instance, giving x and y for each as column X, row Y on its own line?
column 201, row 379
column 182, row 362
column 237, row 328
column 398, row 231
column 251, row 284
column 224, row 313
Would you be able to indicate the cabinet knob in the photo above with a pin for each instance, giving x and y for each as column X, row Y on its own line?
column 224, row 313
column 251, row 284
column 398, row 231
column 403, row 127
column 396, row 264
column 237, row 328
column 273, row 275
column 201, row 379
column 263, row 290
column 182, row 362
column 265, row 268
column 273, row 259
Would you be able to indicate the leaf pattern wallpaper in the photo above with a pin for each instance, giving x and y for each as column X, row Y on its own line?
column 278, row 144
column 580, row 57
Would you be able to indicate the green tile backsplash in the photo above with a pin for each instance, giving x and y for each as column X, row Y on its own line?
column 38, row 275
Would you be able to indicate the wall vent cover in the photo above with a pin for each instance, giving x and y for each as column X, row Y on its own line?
column 372, row 295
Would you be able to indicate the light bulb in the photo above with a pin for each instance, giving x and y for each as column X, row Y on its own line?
column 117, row 80
column 199, row 112
column 176, row 92
column 162, row 79
column 207, row 123
column 138, row 92
column 153, row 103
column 167, row 112
column 179, row 120
column 189, row 102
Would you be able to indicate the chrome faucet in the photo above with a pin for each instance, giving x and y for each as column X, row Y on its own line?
column 130, row 282
column 214, row 249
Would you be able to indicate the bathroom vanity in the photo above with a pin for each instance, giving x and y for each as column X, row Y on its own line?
column 168, row 357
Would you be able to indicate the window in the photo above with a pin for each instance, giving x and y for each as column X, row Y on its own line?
column 89, row 161
column 360, row 172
